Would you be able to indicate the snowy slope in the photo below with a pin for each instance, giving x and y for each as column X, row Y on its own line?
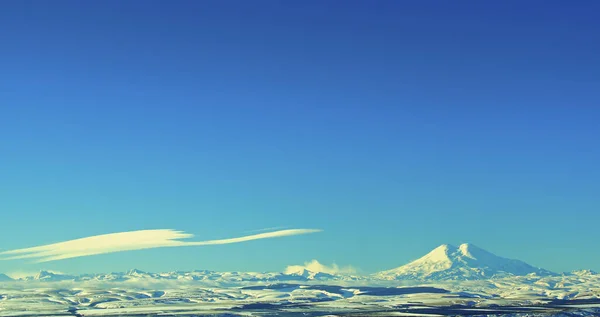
column 304, row 274
column 466, row 262
column 48, row 276
column 515, row 296
column 584, row 273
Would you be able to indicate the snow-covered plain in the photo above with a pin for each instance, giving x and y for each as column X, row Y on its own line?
column 449, row 281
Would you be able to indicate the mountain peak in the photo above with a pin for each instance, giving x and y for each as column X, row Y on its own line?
column 467, row 261
column 466, row 246
column 44, row 275
column 440, row 253
column 5, row 278
column 584, row 272
column 443, row 248
column 472, row 251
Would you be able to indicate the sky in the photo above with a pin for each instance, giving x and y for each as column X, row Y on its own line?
column 392, row 126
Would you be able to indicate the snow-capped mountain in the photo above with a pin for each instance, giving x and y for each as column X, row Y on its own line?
column 584, row 272
column 135, row 273
column 466, row 262
column 48, row 276
column 5, row 278
column 309, row 275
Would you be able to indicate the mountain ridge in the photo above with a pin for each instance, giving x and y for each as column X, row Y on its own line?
column 196, row 275
column 5, row 278
column 445, row 262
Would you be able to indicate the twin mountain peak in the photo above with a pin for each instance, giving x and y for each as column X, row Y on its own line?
column 465, row 262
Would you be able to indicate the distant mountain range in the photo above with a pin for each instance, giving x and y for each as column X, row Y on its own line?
column 446, row 262
column 206, row 276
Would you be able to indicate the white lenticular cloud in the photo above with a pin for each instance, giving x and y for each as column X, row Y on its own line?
column 128, row 241
column 315, row 266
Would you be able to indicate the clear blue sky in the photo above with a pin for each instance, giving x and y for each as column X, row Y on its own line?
column 395, row 126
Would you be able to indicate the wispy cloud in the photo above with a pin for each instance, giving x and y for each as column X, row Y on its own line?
column 128, row 241
column 315, row 266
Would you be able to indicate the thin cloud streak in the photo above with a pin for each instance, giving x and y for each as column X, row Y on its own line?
column 129, row 241
column 265, row 229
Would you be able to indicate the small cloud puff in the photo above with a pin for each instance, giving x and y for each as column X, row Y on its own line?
column 315, row 266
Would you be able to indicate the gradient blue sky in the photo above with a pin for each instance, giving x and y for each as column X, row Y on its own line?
column 395, row 126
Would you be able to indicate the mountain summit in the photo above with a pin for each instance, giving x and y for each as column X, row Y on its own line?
column 49, row 276
column 5, row 278
column 466, row 262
